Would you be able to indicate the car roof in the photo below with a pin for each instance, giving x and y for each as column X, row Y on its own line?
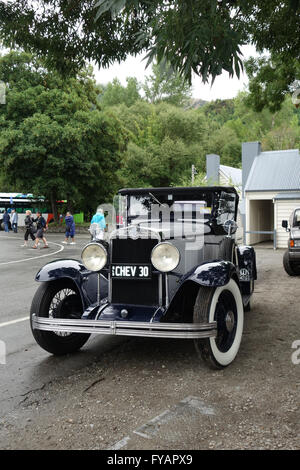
column 177, row 190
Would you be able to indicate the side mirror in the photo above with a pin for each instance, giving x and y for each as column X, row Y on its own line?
column 284, row 224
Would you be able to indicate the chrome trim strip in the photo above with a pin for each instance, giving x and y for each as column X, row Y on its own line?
column 98, row 287
column 160, row 291
column 123, row 328
column 167, row 289
column 154, row 314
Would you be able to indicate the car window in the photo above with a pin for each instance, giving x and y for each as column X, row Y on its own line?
column 296, row 222
column 226, row 208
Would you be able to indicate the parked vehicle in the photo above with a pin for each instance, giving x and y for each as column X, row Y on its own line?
column 171, row 270
column 291, row 257
column 21, row 203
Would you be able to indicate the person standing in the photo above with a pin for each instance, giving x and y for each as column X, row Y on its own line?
column 14, row 221
column 98, row 219
column 6, row 219
column 29, row 228
column 41, row 227
column 70, row 228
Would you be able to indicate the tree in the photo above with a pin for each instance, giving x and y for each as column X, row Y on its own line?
column 163, row 142
column 114, row 93
column 54, row 140
column 271, row 79
column 154, row 164
column 204, row 37
column 167, row 85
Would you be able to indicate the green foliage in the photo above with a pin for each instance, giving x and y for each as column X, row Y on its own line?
column 71, row 139
column 270, row 80
column 202, row 37
column 114, row 93
column 156, row 164
column 155, row 132
column 167, row 85
column 199, row 180
column 54, row 140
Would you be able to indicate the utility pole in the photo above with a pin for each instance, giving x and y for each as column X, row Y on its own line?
column 194, row 172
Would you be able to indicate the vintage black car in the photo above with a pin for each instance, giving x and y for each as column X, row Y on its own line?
column 170, row 269
column 291, row 257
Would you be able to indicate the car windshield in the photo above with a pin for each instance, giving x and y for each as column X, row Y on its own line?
column 144, row 208
column 296, row 221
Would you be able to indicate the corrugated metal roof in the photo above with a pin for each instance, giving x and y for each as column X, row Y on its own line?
column 275, row 171
column 287, row 196
column 232, row 174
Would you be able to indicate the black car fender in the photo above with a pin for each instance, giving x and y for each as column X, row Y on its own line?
column 210, row 274
column 213, row 274
column 85, row 281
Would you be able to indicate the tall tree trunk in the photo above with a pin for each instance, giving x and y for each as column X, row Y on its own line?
column 70, row 204
column 54, row 207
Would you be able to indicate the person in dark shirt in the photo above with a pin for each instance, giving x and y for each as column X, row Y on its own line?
column 41, row 227
column 29, row 228
column 6, row 219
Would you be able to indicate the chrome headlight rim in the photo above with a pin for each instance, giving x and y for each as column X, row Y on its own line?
column 103, row 252
column 177, row 253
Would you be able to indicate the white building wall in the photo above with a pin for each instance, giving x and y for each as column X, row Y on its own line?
column 283, row 210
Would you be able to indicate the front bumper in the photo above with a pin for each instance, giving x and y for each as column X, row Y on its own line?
column 126, row 328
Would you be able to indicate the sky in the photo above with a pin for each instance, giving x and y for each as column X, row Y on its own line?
column 223, row 87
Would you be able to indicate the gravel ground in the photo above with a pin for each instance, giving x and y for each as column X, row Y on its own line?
column 252, row 404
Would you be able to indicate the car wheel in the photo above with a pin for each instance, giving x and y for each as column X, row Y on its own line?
column 225, row 306
column 288, row 266
column 58, row 300
column 226, row 250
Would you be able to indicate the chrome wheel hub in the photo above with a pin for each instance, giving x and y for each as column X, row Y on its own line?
column 229, row 321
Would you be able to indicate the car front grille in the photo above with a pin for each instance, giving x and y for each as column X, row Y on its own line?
column 134, row 291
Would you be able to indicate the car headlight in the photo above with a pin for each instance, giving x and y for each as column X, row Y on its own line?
column 165, row 257
column 94, row 256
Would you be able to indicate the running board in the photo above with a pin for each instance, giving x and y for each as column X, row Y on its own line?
column 125, row 328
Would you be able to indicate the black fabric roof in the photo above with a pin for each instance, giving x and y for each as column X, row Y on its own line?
column 174, row 190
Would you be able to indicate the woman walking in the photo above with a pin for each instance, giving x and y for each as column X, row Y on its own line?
column 29, row 228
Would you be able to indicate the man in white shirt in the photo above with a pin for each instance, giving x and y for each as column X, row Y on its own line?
column 14, row 221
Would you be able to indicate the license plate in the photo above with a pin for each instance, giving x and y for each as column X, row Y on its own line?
column 131, row 271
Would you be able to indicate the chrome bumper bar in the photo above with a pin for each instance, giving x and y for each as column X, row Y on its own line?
column 125, row 328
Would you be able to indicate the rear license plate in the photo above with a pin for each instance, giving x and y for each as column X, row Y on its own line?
column 131, row 271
